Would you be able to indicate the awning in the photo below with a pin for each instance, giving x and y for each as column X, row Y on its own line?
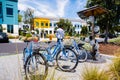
column 92, row 11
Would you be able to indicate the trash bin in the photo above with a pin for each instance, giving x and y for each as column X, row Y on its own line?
column 50, row 37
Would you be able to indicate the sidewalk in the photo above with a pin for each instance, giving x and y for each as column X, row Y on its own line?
column 15, row 41
column 11, row 68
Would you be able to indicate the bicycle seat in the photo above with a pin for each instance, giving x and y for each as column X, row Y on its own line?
column 68, row 46
column 26, row 40
column 80, row 44
column 48, row 42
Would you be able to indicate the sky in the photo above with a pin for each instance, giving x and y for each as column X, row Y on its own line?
column 53, row 8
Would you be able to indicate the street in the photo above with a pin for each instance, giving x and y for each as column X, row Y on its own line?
column 11, row 48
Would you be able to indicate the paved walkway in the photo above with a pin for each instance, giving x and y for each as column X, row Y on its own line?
column 11, row 68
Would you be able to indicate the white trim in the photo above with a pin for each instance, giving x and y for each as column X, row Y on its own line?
column 15, row 29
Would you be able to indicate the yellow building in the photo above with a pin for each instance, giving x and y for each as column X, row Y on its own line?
column 47, row 25
column 41, row 23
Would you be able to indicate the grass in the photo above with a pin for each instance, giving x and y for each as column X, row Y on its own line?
column 51, row 76
column 93, row 73
column 115, row 41
column 115, row 69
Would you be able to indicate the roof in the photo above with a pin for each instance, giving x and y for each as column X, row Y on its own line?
column 92, row 11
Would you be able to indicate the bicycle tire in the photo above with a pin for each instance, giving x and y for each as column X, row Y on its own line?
column 29, row 66
column 24, row 53
column 73, row 59
column 82, row 56
column 24, row 57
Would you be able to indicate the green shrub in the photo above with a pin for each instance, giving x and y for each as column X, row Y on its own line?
column 115, row 69
column 13, row 37
column 87, row 46
column 28, row 35
column 84, row 31
column 93, row 73
column 115, row 41
column 77, row 35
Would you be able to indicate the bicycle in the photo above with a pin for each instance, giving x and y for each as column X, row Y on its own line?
column 78, row 48
column 62, row 55
column 32, row 60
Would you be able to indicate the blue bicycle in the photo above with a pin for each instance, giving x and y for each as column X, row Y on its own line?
column 81, row 52
column 32, row 60
column 66, row 58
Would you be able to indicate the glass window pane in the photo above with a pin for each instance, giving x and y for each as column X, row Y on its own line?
column 9, row 11
column 42, row 24
column 37, row 24
column 50, row 24
column 10, row 28
column 46, row 24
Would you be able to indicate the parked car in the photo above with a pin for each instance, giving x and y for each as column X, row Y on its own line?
column 4, row 37
column 109, row 35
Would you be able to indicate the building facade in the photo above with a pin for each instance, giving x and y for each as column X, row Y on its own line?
column 48, row 25
column 9, row 16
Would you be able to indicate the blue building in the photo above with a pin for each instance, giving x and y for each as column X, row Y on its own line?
column 9, row 16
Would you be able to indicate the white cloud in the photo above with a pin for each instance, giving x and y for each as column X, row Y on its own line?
column 61, row 4
column 39, row 8
column 80, row 4
column 48, row 9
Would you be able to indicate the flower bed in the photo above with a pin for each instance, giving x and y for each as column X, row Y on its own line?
column 110, row 49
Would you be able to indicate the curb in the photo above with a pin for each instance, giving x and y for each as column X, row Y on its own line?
column 108, row 56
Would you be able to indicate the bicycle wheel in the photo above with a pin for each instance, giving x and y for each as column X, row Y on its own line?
column 36, row 67
column 82, row 56
column 24, row 53
column 67, row 60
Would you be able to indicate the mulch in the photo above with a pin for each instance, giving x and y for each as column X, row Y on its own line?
column 109, row 49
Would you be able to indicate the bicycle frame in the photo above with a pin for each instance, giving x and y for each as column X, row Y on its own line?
column 28, row 50
column 75, row 46
column 59, row 46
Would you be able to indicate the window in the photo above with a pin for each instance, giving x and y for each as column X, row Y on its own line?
column 46, row 32
column 46, row 24
column 10, row 28
column 13, row 0
column 0, row 10
column 37, row 24
column 80, row 25
column 54, row 24
column 0, row 7
column 50, row 24
column 42, row 24
column 1, row 28
column 9, row 11
column 50, row 32
column 75, row 26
